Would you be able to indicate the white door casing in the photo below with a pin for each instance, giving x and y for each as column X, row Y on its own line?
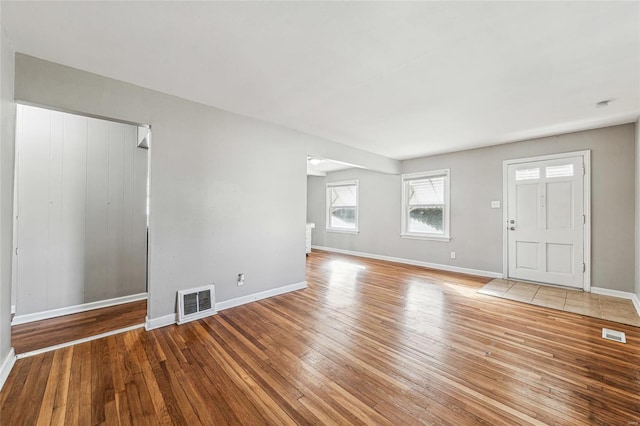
column 547, row 219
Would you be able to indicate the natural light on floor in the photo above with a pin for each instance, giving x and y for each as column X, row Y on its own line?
column 343, row 282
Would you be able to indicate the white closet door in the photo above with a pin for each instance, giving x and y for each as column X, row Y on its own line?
column 33, row 211
column 74, row 200
column 128, row 163
column 97, row 223
column 139, row 221
column 55, row 250
column 115, row 217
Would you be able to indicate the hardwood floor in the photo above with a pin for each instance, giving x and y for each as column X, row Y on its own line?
column 369, row 342
column 53, row 331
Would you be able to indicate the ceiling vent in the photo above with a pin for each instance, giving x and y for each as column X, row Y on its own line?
column 196, row 303
column 616, row 336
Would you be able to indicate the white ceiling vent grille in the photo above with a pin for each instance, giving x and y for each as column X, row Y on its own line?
column 616, row 336
column 196, row 303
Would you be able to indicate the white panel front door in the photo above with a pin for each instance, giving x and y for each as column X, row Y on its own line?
column 546, row 221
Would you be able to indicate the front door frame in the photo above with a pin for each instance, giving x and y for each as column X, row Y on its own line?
column 586, row 159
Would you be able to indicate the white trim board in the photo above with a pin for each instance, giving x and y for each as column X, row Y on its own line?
column 227, row 304
column 77, row 342
column 259, row 296
column 162, row 321
column 617, row 293
column 437, row 266
column 586, row 157
column 38, row 316
column 7, row 365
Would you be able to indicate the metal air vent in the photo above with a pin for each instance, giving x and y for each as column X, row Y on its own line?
column 196, row 303
column 616, row 336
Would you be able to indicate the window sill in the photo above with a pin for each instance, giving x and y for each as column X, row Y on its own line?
column 426, row 237
column 342, row 231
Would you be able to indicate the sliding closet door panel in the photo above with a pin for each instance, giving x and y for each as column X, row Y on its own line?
column 139, row 221
column 97, row 223
column 33, row 211
column 55, row 278
column 74, row 204
column 115, row 218
column 129, row 146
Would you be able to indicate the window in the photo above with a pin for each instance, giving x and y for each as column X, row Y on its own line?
column 526, row 174
column 342, row 206
column 425, row 205
column 565, row 170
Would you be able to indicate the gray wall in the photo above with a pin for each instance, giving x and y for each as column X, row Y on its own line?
column 7, row 138
column 476, row 229
column 81, row 208
column 227, row 192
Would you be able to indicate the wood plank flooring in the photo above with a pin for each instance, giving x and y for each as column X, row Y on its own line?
column 53, row 331
column 369, row 342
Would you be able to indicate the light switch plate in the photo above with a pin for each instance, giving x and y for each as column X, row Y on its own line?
column 495, row 204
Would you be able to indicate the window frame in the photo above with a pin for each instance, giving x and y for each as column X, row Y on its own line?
column 446, row 214
column 328, row 206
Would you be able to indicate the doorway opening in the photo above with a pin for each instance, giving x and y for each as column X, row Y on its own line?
column 340, row 199
column 81, row 201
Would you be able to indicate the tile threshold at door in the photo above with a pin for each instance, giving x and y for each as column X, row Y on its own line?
column 568, row 300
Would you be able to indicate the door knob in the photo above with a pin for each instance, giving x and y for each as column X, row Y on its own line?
column 513, row 228
column 512, row 221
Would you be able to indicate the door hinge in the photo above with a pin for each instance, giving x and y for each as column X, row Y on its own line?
column 584, row 219
column 16, row 251
column 584, row 267
column 584, row 170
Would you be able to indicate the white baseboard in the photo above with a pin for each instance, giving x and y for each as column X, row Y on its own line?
column 172, row 318
column 13, row 309
column 636, row 302
column 617, row 293
column 162, row 321
column 261, row 295
column 77, row 342
column 613, row 293
column 38, row 316
column 438, row 266
column 6, row 366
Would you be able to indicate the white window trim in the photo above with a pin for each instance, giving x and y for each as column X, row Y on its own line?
column 328, row 206
column 446, row 236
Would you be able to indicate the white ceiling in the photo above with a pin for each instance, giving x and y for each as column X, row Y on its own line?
column 398, row 79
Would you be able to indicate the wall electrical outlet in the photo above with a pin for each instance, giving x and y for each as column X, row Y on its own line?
column 453, row 254
column 240, row 279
